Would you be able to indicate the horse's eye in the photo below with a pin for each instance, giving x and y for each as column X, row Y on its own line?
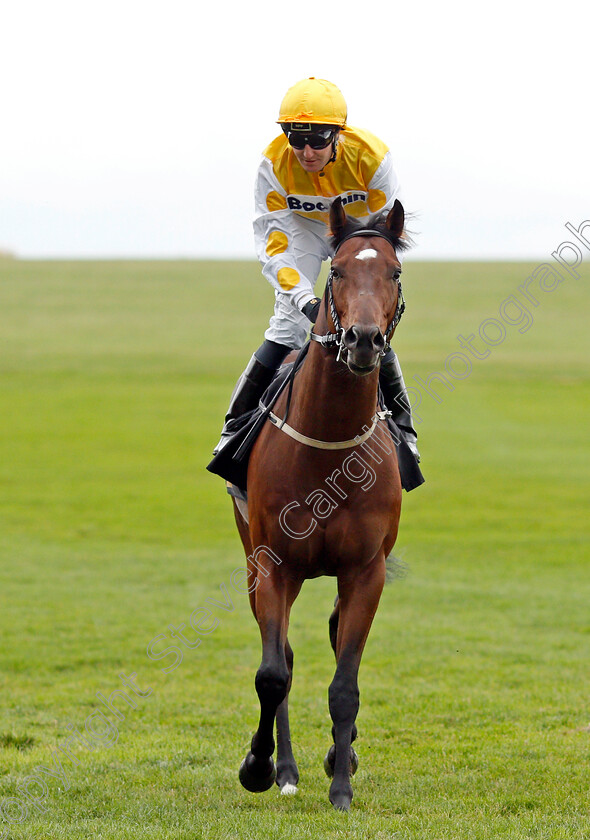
column 336, row 274
column 397, row 274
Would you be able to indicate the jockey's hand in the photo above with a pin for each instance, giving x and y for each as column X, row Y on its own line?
column 311, row 309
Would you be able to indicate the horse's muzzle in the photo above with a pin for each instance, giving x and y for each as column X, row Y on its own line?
column 363, row 346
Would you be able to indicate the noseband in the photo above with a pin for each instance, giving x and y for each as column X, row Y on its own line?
column 336, row 339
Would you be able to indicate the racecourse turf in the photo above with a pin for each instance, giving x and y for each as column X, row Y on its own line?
column 475, row 685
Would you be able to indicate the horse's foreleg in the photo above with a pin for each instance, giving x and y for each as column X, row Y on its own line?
column 329, row 760
column 359, row 598
column 257, row 772
column 287, row 772
column 273, row 602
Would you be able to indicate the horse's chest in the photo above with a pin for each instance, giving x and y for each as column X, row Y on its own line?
column 334, row 512
column 320, row 535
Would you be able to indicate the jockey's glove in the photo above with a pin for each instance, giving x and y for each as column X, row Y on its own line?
column 311, row 309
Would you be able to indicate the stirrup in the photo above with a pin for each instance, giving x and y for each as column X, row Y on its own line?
column 412, row 443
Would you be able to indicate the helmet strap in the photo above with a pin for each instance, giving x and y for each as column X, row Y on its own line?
column 334, row 147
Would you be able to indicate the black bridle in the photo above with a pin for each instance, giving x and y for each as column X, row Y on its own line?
column 336, row 339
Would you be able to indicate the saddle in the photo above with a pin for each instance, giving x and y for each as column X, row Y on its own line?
column 231, row 462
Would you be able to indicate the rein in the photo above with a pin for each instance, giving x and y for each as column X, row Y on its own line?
column 336, row 339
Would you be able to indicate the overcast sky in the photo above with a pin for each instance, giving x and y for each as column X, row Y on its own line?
column 135, row 128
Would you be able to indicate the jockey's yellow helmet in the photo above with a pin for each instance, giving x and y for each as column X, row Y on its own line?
column 315, row 101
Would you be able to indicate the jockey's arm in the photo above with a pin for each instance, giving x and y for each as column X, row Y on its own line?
column 274, row 234
column 386, row 183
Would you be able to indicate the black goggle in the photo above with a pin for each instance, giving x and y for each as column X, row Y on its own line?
column 315, row 139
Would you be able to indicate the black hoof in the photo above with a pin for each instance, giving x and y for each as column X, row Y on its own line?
column 341, row 799
column 257, row 776
column 331, row 757
column 329, row 761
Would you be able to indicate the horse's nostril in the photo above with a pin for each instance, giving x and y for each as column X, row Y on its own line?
column 351, row 337
column 378, row 340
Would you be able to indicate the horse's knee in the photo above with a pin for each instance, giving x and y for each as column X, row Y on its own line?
column 343, row 700
column 271, row 683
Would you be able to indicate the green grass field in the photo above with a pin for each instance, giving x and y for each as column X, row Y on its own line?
column 475, row 685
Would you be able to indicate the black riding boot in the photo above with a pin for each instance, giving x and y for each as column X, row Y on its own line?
column 252, row 384
column 395, row 395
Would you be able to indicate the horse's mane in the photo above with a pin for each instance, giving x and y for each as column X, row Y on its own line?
column 376, row 222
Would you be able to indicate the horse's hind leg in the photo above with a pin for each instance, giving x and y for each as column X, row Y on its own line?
column 359, row 598
column 333, row 624
column 287, row 772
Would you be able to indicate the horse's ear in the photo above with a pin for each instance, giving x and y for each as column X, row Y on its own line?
column 338, row 219
column 395, row 220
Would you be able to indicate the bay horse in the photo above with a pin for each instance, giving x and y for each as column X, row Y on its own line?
column 319, row 504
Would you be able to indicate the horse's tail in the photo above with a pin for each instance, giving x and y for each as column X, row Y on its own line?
column 395, row 568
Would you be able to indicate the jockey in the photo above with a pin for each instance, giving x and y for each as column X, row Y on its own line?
column 316, row 158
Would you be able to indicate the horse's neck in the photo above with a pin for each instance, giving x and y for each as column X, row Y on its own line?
column 329, row 402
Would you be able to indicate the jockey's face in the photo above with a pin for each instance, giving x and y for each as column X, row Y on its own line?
column 313, row 160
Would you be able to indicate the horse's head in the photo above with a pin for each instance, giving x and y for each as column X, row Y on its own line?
column 364, row 291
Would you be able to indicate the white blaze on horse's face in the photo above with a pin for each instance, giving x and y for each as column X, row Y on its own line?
column 366, row 254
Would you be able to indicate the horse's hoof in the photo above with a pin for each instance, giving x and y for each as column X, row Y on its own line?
column 342, row 804
column 257, row 781
column 287, row 776
column 329, row 761
column 288, row 789
column 341, row 799
column 331, row 757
